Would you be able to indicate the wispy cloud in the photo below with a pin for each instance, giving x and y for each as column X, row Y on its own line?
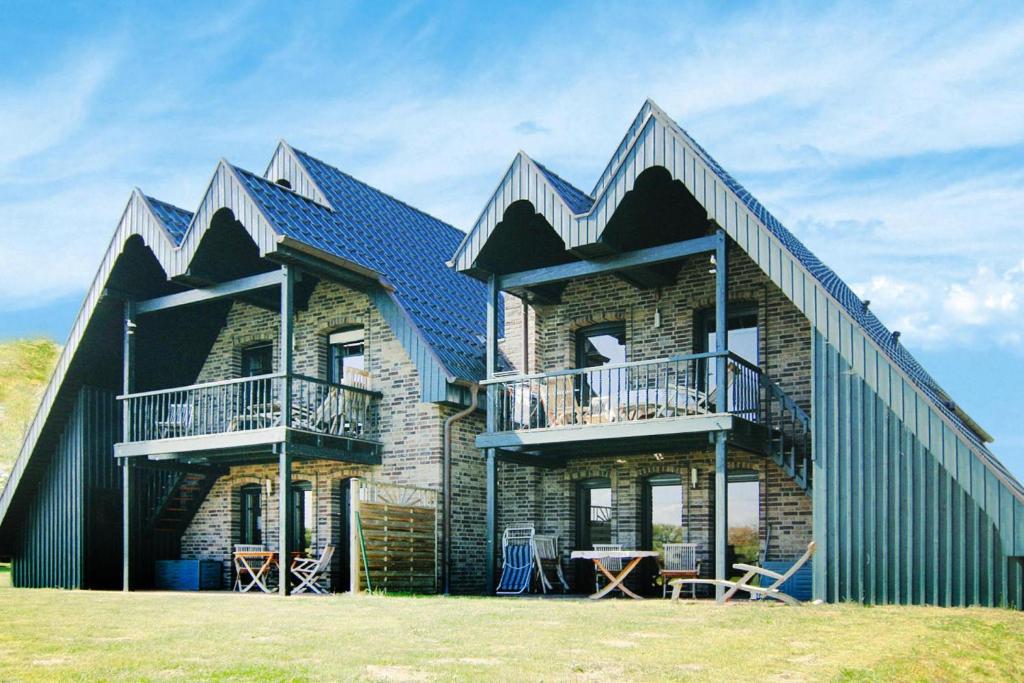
column 884, row 136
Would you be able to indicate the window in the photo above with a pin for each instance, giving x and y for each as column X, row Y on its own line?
column 743, row 340
column 744, row 516
column 345, row 357
column 596, row 347
column 258, row 359
column 662, row 512
column 302, row 517
column 250, row 502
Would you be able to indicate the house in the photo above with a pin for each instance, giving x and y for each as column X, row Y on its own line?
column 258, row 372
column 684, row 369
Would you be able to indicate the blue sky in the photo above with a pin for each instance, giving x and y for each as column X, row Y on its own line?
column 889, row 139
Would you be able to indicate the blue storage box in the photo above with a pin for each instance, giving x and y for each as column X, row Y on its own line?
column 188, row 575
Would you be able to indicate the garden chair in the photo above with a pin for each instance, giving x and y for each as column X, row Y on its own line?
column 177, row 421
column 548, row 558
column 309, row 569
column 612, row 564
column 680, row 563
column 751, row 572
column 518, row 552
column 561, row 403
column 243, row 569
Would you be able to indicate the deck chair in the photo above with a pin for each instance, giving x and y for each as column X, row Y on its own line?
column 561, row 404
column 549, row 559
column 612, row 564
column 309, row 569
column 177, row 421
column 518, row 552
column 680, row 563
column 358, row 378
column 752, row 572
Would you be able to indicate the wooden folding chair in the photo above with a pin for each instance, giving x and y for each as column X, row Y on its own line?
column 309, row 569
column 680, row 563
column 612, row 564
column 751, row 572
column 548, row 557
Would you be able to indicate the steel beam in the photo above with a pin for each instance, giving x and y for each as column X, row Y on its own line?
column 218, row 291
column 287, row 278
column 721, row 512
column 284, row 511
column 609, row 264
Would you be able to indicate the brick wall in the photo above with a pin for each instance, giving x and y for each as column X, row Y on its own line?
column 411, row 431
column 547, row 497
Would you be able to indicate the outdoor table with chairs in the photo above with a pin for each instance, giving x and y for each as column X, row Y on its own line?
column 254, row 565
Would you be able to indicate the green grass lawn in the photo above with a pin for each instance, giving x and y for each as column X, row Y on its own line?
column 51, row 634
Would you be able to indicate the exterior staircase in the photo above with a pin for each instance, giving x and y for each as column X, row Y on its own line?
column 788, row 435
column 180, row 501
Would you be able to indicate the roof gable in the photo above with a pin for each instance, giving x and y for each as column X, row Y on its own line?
column 654, row 139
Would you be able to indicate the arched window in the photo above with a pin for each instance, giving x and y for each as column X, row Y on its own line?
column 662, row 511
column 346, row 357
column 250, row 501
column 303, row 517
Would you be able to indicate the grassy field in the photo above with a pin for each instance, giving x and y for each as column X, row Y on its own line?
column 50, row 635
column 25, row 367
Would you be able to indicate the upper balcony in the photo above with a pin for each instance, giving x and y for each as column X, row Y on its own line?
column 648, row 405
column 247, row 417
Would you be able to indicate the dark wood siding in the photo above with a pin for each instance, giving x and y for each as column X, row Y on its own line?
column 899, row 506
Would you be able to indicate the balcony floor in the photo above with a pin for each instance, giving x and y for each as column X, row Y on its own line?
column 254, row 446
column 625, row 438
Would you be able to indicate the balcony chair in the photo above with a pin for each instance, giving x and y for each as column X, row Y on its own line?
column 708, row 402
column 680, row 563
column 247, row 576
column 612, row 564
column 561, row 403
column 772, row 591
column 518, row 553
column 549, row 559
column 177, row 421
column 309, row 569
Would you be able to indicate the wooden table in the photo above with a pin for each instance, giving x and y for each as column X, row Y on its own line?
column 244, row 561
column 614, row 581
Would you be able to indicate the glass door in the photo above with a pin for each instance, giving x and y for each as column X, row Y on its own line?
column 593, row 525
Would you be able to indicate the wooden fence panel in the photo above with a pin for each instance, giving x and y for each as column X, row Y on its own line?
column 400, row 548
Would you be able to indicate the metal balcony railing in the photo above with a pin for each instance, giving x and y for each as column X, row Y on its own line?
column 250, row 403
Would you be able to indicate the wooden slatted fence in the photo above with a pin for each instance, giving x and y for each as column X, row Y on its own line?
column 400, row 544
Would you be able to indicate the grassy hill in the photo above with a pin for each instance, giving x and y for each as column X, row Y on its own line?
column 25, row 367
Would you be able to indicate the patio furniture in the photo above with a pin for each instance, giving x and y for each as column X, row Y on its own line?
column 309, row 569
column 517, row 552
column 612, row 564
column 357, row 377
column 601, row 557
column 177, row 421
column 680, row 563
column 752, row 572
column 548, row 558
column 252, row 567
column 561, row 404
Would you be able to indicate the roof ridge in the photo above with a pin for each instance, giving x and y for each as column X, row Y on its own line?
column 368, row 186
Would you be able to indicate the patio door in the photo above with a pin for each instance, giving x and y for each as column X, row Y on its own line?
column 594, row 514
column 743, row 339
column 340, row 563
column 744, row 517
column 661, row 519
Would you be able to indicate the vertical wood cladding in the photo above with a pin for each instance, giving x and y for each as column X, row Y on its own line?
column 895, row 520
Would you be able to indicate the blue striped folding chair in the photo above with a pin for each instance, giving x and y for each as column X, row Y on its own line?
column 517, row 560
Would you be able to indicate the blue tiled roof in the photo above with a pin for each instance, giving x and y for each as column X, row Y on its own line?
column 577, row 200
column 406, row 246
column 846, row 297
column 175, row 219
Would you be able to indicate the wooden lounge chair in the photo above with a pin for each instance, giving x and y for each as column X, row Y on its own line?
column 548, row 558
column 752, row 572
column 518, row 553
column 612, row 564
column 309, row 569
column 680, row 563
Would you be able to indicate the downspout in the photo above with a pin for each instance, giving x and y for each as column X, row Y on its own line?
column 446, row 485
